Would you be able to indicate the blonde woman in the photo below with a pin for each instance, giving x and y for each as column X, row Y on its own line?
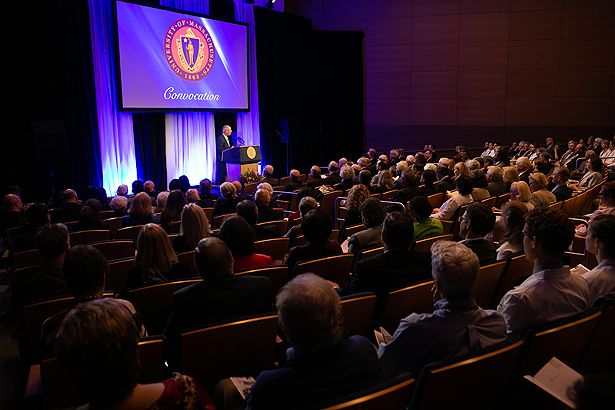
column 520, row 191
column 140, row 211
column 509, row 175
column 228, row 202
column 194, row 227
column 155, row 261
column 460, row 170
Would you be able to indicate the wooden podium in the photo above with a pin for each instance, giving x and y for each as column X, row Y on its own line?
column 240, row 160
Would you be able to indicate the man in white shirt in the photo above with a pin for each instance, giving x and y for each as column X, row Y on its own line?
column 551, row 292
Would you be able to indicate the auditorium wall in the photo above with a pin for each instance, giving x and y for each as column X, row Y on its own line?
column 452, row 72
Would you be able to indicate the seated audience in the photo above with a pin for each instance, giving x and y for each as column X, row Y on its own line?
column 89, row 217
column 295, row 181
column 600, row 241
column 184, row 184
column 220, row 297
column 173, row 211
column 194, row 227
column 347, row 173
column 316, row 227
column 306, row 204
column 495, row 181
column 12, row 214
column 524, row 168
column 26, row 237
column 207, row 198
column 333, row 174
column 249, row 212
column 266, row 212
column 409, row 187
column 456, row 200
column 445, row 181
column 137, row 186
column 322, row 364
column 509, row 175
column 592, row 177
column 513, row 218
column 268, row 176
column 45, row 280
column 161, row 201
column 424, row 225
column 150, row 189
column 372, row 215
column 122, row 190
column 97, row 348
column 228, row 202
column 606, row 206
column 520, row 191
column 155, row 259
column 551, row 292
column 192, row 196
column 119, row 205
column 140, row 211
column 541, row 197
column 356, row 196
column 479, row 183
column 457, row 326
column 85, row 269
column 70, row 208
column 428, row 179
column 398, row 266
column 460, row 170
column 560, row 187
column 239, row 236
column 384, row 181
column 477, row 221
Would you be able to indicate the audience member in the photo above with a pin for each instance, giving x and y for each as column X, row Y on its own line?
column 477, row 221
column 184, row 184
column 509, row 176
column 266, row 212
column 424, row 225
column 97, row 348
column 457, row 326
column 600, row 241
column 295, row 181
column 520, row 191
column 347, row 174
column 69, row 210
column 207, row 198
column 140, row 211
column 192, row 196
column 173, row 211
column 26, row 238
column 316, row 227
column 248, row 211
column 122, row 190
column 322, row 363
column 155, row 259
column 524, row 168
column 194, row 227
column 495, row 181
column 372, row 215
column 560, row 187
column 513, row 218
column 268, row 176
column 356, row 196
column 409, row 187
column 479, row 183
column 592, row 177
column 551, row 292
column 12, row 214
column 228, row 202
column 306, row 204
column 541, row 197
column 89, row 217
column 221, row 296
column 161, row 201
column 46, row 280
column 137, row 186
column 239, row 236
column 428, row 179
column 457, row 199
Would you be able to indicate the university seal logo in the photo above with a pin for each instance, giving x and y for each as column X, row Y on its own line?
column 189, row 49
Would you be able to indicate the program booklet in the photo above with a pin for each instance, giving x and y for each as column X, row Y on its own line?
column 556, row 378
column 243, row 385
column 382, row 336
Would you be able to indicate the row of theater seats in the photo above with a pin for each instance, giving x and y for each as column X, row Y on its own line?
column 491, row 379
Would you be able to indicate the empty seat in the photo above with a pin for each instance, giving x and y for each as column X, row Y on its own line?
column 277, row 248
column 86, row 237
column 391, row 394
column 402, row 302
column 358, row 310
column 334, row 268
column 486, row 283
column 114, row 250
column 277, row 274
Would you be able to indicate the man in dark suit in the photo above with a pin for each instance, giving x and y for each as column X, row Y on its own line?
column 559, row 185
column 398, row 266
column 221, row 296
column 495, row 182
column 69, row 210
column 295, row 181
column 224, row 141
column 372, row 214
column 477, row 222
column 266, row 212
column 524, row 168
column 268, row 176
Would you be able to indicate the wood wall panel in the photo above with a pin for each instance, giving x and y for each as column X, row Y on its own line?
column 536, row 24
column 533, row 54
column 482, row 6
column 532, row 83
column 449, row 71
column 434, row 84
column 435, row 29
column 484, row 27
column 482, row 84
column 483, row 55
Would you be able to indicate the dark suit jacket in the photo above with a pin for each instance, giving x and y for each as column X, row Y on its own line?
column 365, row 239
column 525, row 177
column 67, row 212
column 214, row 301
column 333, row 179
column 393, row 269
column 267, row 213
column 308, row 252
column 271, row 181
column 221, row 145
column 562, row 192
column 496, row 188
column 483, row 249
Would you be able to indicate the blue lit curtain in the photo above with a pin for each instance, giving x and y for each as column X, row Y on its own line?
column 248, row 122
column 190, row 137
column 117, row 148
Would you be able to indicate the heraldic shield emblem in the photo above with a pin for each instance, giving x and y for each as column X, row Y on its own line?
column 189, row 49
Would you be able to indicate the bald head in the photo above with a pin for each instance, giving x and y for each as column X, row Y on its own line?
column 12, row 202
column 294, row 173
column 69, row 195
column 268, row 171
column 262, row 197
column 213, row 259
